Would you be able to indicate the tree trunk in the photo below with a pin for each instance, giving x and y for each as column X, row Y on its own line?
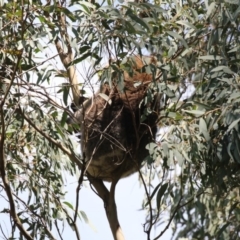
column 108, row 198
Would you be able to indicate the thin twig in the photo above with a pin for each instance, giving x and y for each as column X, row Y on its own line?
column 77, row 191
column 71, row 155
column 73, row 224
column 3, row 169
column 3, row 233
column 175, row 211
column 148, row 231
column 58, row 230
column 38, row 216
column 170, row 220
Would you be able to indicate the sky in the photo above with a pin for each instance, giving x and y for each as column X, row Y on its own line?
column 129, row 196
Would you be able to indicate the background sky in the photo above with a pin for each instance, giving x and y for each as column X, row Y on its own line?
column 129, row 196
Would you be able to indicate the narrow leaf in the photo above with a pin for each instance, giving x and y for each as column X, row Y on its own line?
column 187, row 24
column 65, row 95
column 203, row 129
column 69, row 205
column 177, row 36
column 139, row 21
column 197, row 113
column 210, row 57
column 106, row 98
column 160, row 193
column 153, row 193
column 233, row 124
column 80, row 59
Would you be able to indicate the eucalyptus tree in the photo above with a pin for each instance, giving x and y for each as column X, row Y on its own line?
column 53, row 52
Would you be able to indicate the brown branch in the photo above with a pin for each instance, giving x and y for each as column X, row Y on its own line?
column 175, row 211
column 67, row 58
column 3, row 233
column 111, row 211
column 77, row 191
column 108, row 198
column 3, row 170
column 148, row 231
column 170, row 220
column 73, row 224
column 38, row 216
column 58, row 230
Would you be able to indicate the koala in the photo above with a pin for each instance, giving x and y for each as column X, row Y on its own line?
column 113, row 135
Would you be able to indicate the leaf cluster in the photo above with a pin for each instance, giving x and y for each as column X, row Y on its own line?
column 196, row 157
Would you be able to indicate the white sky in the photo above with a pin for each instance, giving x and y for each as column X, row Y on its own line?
column 129, row 196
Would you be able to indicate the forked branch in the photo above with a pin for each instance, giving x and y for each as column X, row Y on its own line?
column 108, row 198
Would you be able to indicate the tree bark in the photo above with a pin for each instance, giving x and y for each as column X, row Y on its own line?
column 108, row 198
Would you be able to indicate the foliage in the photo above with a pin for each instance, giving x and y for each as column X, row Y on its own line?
column 197, row 158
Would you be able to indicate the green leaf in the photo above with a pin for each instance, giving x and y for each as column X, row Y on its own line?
column 80, row 59
column 218, row 68
column 197, row 113
column 210, row 9
column 177, row 36
column 203, row 129
column 210, row 57
column 179, row 157
column 87, row 4
column 60, row 215
column 139, row 21
column 84, row 216
column 165, row 149
column 187, row 24
column 64, row 118
column 153, row 193
column 65, row 95
column 68, row 13
column 69, row 205
column 83, row 49
column 233, row 124
column 160, row 193
column 223, row 68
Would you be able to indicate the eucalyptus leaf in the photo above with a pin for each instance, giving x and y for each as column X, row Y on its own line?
column 160, row 194
column 197, row 113
column 210, row 57
column 106, row 98
column 203, row 129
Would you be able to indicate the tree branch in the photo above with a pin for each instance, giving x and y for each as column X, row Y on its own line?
column 108, row 198
column 67, row 58
column 70, row 154
column 38, row 216
column 77, row 192
column 3, row 170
